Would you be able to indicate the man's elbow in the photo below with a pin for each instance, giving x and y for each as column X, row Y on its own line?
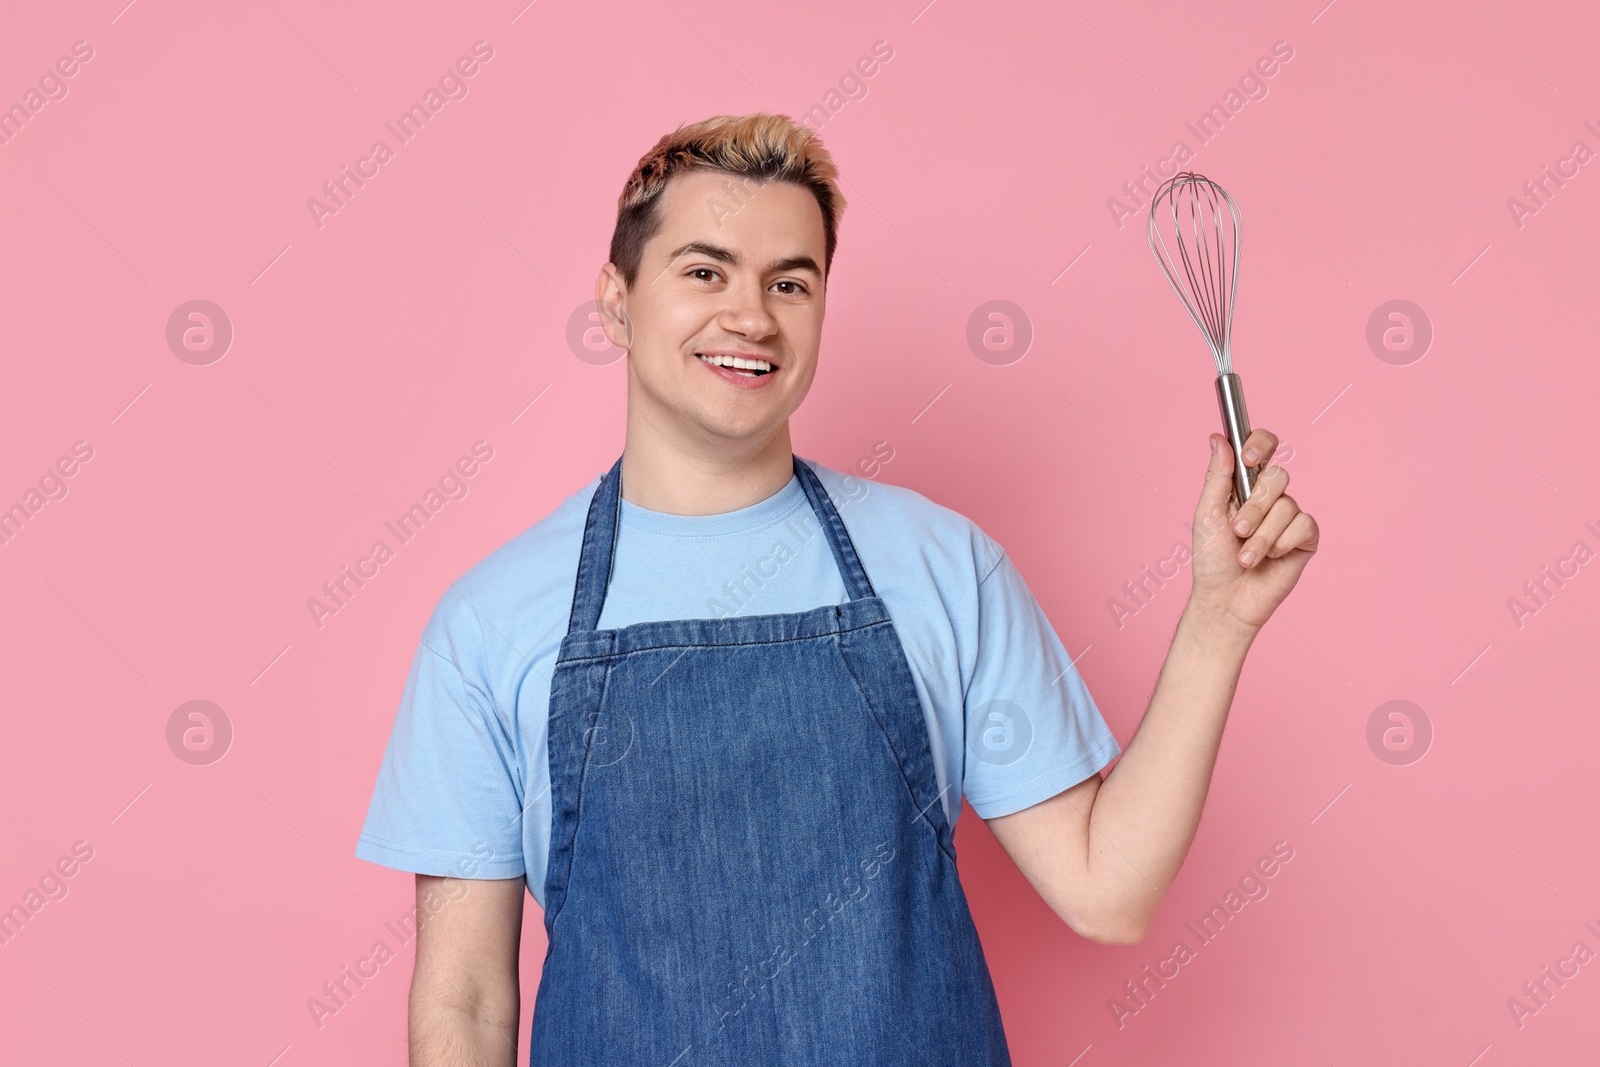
column 1113, row 929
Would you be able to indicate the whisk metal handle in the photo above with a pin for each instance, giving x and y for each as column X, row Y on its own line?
column 1236, row 422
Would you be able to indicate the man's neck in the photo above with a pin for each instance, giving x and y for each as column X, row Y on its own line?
column 707, row 477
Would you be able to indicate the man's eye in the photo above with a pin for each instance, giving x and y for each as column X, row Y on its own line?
column 798, row 288
column 702, row 270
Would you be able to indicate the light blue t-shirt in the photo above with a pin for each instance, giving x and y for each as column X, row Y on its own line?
column 464, row 788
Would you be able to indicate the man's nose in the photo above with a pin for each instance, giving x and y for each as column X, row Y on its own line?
column 746, row 312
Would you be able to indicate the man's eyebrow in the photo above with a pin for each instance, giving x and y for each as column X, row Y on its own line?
column 733, row 259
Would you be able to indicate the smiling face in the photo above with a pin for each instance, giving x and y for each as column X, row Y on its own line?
column 734, row 273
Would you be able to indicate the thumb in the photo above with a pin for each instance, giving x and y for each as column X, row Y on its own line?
column 1219, row 482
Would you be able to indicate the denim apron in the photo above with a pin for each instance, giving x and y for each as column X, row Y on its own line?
column 749, row 862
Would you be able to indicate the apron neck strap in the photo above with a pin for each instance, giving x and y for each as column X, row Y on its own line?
column 856, row 584
column 597, row 557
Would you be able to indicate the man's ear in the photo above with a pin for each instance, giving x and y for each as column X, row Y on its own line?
column 610, row 294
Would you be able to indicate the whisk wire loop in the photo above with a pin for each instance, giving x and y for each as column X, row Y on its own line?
column 1207, row 262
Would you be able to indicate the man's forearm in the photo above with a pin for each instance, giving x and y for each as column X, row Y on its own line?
column 1146, row 812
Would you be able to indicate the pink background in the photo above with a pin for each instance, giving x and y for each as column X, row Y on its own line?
column 432, row 310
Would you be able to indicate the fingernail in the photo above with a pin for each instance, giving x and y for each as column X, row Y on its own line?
column 1242, row 526
column 1250, row 457
column 1213, row 446
column 1247, row 557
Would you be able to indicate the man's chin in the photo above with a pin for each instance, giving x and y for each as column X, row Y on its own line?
column 732, row 427
column 732, row 420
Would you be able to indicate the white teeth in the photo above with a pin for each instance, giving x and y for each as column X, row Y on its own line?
column 736, row 362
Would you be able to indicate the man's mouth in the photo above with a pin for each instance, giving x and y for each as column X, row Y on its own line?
column 749, row 368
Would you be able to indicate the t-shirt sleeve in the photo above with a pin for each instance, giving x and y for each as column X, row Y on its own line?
column 1032, row 729
column 448, row 796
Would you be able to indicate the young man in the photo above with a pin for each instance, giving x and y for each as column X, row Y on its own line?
column 718, row 710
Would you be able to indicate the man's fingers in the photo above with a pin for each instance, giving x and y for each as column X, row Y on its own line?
column 1259, row 447
column 1302, row 533
column 1277, row 520
column 1269, row 486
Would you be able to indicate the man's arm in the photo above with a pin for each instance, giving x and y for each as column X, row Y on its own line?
column 465, row 1002
column 1102, row 854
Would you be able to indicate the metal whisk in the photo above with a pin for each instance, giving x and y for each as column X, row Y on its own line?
column 1204, row 223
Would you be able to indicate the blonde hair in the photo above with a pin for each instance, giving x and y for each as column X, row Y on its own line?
column 761, row 146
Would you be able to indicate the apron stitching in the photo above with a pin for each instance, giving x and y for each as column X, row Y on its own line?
column 577, row 819
column 725, row 644
column 877, row 719
column 932, row 802
column 840, row 544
